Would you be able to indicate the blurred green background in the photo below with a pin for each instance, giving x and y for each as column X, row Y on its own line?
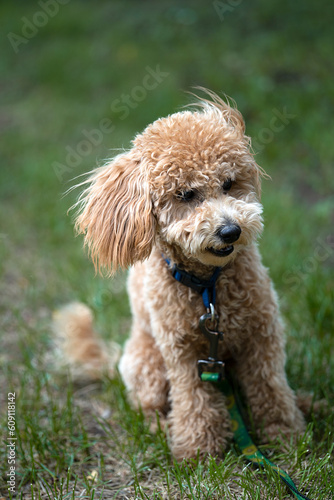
column 78, row 79
column 75, row 87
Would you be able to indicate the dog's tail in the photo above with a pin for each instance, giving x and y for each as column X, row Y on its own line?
column 78, row 345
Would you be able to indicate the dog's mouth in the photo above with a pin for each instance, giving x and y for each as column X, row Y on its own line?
column 222, row 252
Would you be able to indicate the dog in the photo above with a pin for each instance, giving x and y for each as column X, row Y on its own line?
column 186, row 197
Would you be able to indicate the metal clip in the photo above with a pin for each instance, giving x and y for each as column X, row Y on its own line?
column 211, row 365
column 214, row 317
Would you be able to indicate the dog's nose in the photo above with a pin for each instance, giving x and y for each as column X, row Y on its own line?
column 230, row 233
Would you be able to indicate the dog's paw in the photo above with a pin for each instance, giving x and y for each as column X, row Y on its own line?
column 199, row 438
column 308, row 405
column 278, row 430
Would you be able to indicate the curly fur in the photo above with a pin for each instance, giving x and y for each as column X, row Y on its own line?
column 131, row 213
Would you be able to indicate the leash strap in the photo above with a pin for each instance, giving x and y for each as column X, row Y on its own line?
column 212, row 370
column 242, row 438
column 206, row 288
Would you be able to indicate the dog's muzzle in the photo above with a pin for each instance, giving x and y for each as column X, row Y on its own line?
column 229, row 234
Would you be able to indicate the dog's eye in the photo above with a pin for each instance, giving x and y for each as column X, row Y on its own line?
column 185, row 195
column 227, row 185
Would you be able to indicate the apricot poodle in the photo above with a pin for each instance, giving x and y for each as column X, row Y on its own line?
column 181, row 207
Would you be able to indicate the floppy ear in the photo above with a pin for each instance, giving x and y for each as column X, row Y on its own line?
column 115, row 214
column 258, row 173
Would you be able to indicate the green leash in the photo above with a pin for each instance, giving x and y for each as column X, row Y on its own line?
column 249, row 450
column 213, row 370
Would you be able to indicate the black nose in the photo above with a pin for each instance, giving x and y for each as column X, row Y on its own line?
column 230, row 233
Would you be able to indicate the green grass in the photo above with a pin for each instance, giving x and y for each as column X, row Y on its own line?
column 69, row 78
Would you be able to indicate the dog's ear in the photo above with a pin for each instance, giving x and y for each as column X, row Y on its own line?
column 115, row 214
column 258, row 173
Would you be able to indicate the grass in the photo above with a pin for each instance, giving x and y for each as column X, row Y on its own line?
column 65, row 82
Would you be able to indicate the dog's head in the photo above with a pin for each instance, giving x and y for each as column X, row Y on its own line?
column 190, row 184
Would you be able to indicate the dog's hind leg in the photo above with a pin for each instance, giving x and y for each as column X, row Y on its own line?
column 144, row 374
column 142, row 366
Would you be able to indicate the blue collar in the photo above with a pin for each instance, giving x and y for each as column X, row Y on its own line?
column 206, row 288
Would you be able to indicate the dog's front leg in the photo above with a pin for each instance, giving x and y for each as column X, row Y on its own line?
column 260, row 369
column 198, row 420
column 199, row 425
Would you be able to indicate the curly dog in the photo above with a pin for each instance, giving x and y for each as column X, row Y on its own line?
column 185, row 201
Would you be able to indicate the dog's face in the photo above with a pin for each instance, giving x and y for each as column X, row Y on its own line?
column 204, row 186
column 190, row 183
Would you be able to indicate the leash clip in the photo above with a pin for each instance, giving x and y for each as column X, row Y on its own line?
column 211, row 369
